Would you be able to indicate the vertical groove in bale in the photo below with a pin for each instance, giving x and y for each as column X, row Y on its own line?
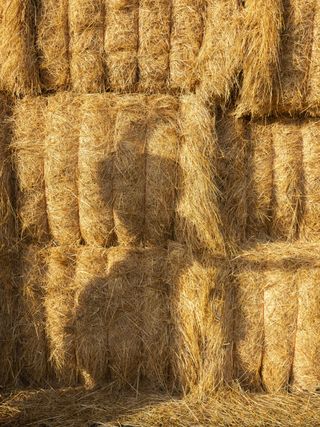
column 310, row 226
column 32, row 339
column 200, row 345
column 7, row 223
column 28, row 146
column 314, row 66
column 306, row 366
column 154, row 44
column 280, row 308
column 96, row 169
column 92, row 315
column 197, row 219
column 296, row 46
column 61, row 167
column 288, row 183
column 19, row 71
column 232, row 151
column 161, row 169
column 121, row 43
column 186, row 38
column 155, row 318
column 263, row 24
column 8, row 365
column 53, row 44
column 248, row 331
column 129, row 169
column 125, row 306
column 87, row 62
column 219, row 61
column 260, row 180
column 59, row 307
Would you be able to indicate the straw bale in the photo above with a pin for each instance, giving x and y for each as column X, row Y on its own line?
column 125, row 306
column 197, row 221
column 219, row 61
column 129, row 169
column 201, row 321
column 314, row 70
column 260, row 185
column 7, row 225
column 248, row 330
column 121, row 43
column 61, row 167
column 306, row 366
column 32, row 339
column 96, row 170
column 19, row 72
column 53, row 44
column 161, row 169
column 310, row 228
column 59, row 307
column 155, row 330
column 28, row 147
column 87, row 63
column 154, row 44
column 186, row 37
column 8, row 365
column 92, row 315
column 231, row 159
column 280, row 309
column 287, row 178
column 261, row 44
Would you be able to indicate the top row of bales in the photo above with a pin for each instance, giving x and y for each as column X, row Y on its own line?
column 90, row 46
column 269, row 51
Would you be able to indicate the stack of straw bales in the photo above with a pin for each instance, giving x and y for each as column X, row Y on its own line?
column 159, row 195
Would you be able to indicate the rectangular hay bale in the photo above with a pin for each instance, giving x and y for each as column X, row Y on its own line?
column 121, row 44
column 86, row 50
column 28, row 148
column 61, row 167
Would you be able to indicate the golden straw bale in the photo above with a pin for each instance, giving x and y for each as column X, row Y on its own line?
column 59, row 307
column 8, row 320
column 280, row 60
column 287, row 178
column 53, row 44
column 96, row 169
column 310, row 227
column 219, row 61
column 186, row 37
column 280, row 309
column 19, row 72
column 92, row 314
column 124, row 307
column 231, row 178
column 87, row 63
column 314, row 70
column 32, row 337
column 248, row 330
column 260, row 185
column 306, row 366
column 263, row 23
column 197, row 222
column 155, row 329
column 121, row 43
column 129, row 169
column 7, row 223
column 202, row 321
column 28, row 147
column 154, row 44
column 61, row 167
column 161, row 167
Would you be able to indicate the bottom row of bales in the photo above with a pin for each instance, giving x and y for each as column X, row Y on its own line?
column 162, row 317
